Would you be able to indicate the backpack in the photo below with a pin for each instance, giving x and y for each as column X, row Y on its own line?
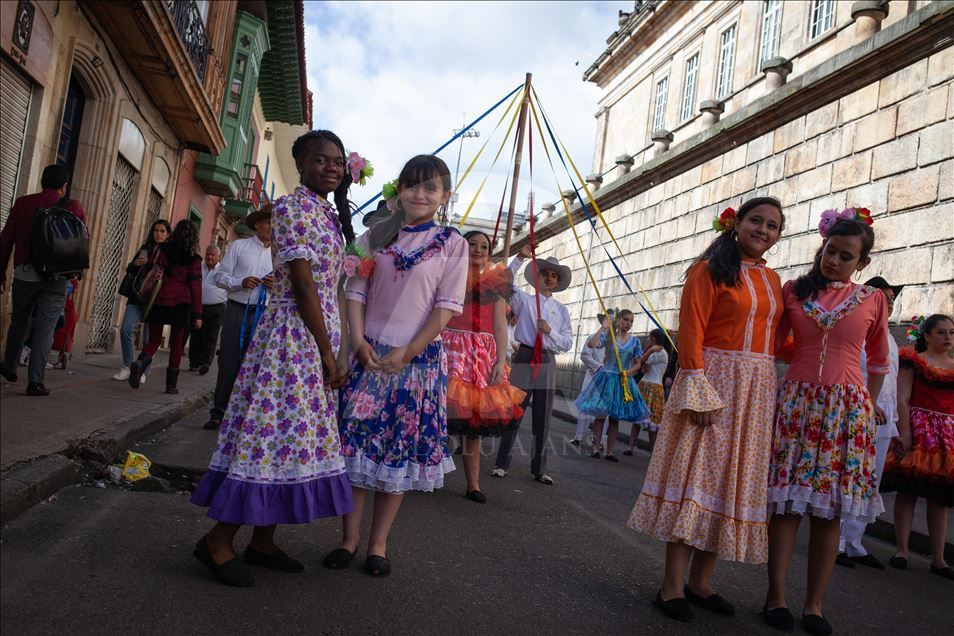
column 59, row 241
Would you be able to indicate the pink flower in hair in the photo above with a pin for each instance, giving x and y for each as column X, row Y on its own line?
column 848, row 214
column 351, row 263
column 828, row 220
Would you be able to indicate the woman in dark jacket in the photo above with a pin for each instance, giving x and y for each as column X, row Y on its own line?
column 160, row 231
column 179, row 294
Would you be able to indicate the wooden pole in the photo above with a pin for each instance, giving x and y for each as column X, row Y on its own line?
column 518, row 157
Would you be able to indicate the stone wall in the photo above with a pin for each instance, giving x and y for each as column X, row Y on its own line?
column 887, row 146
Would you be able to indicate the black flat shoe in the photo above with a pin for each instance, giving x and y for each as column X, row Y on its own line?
column 213, row 424
column 279, row 560
column 611, row 458
column 10, row 375
column 781, row 618
column 869, row 560
column 944, row 573
column 338, row 559
column 377, row 566
column 476, row 496
column 898, row 562
column 37, row 389
column 677, row 608
column 845, row 561
column 628, row 453
column 595, row 454
column 816, row 625
column 713, row 602
column 232, row 572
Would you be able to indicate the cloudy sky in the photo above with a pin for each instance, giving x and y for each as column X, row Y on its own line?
column 395, row 79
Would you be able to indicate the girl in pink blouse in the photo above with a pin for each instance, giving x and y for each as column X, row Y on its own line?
column 393, row 425
column 823, row 449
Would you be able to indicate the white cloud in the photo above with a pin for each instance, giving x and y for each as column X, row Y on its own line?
column 394, row 79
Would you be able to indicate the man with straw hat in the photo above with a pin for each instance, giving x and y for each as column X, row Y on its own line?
column 541, row 334
column 245, row 273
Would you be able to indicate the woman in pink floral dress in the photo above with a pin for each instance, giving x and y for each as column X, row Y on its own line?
column 823, row 448
column 278, row 458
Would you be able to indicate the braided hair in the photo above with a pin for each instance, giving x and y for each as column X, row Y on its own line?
column 300, row 147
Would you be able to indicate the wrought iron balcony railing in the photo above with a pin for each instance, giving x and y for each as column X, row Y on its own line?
column 186, row 17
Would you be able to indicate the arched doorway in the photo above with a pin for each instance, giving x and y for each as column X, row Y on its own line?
column 72, row 124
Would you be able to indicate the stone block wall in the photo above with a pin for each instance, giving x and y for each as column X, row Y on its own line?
column 888, row 146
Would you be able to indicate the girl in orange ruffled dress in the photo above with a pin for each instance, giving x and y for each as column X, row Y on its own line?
column 922, row 465
column 481, row 402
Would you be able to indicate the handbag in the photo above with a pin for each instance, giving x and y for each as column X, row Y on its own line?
column 151, row 283
column 127, row 286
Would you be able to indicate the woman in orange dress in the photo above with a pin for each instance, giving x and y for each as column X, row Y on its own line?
column 481, row 402
column 704, row 493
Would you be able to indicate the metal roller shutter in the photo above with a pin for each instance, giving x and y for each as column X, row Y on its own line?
column 15, row 92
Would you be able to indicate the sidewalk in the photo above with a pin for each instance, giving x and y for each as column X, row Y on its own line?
column 87, row 413
column 882, row 528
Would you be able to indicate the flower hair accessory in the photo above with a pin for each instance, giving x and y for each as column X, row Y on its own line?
column 917, row 328
column 357, row 262
column 830, row 217
column 360, row 168
column 389, row 190
column 725, row 221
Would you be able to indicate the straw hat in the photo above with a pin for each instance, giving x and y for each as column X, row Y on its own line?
column 553, row 264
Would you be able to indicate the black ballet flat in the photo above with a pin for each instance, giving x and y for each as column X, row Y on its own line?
column 713, row 602
column 232, row 572
column 278, row 560
column 898, row 562
column 378, row 566
column 338, row 559
column 677, row 608
column 944, row 573
column 781, row 618
column 816, row 625
column 476, row 496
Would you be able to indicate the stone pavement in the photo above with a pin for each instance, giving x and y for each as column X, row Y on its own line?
column 39, row 436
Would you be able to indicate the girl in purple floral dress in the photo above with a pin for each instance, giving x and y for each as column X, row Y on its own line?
column 393, row 409
column 278, row 458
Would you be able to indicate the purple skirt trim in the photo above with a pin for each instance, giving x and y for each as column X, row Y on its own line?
column 239, row 502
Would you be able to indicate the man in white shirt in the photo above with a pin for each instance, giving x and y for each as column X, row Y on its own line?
column 851, row 551
column 553, row 323
column 202, row 341
column 245, row 275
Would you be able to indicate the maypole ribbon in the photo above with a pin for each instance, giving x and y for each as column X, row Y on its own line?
column 627, row 394
column 451, row 140
column 651, row 313
column 260, row 305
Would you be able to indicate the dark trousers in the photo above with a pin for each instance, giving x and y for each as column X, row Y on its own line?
column 202, row 341
column 540, row 393
column 231, row 353
column 43, row 301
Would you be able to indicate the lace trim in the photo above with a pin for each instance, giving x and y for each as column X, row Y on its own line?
column 404, row 261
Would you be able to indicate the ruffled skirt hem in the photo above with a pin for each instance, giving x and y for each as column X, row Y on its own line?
column 366, row 473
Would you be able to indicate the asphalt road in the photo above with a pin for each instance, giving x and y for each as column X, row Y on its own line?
column 535, row 559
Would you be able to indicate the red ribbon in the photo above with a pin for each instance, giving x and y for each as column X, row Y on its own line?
column 537, row 360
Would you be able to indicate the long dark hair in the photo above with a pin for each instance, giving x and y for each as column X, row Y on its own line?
column 723, row 254
column 418, row 170
column 660, row 338
column 920, row 345
column 150, row 241
column 183, row 245
column 808, row 285
column 341, row 192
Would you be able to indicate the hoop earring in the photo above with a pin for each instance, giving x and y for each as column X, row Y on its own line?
column 442, row 215
column 856, row 276
column 774, row 247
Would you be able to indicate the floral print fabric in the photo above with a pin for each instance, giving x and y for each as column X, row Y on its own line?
column 823, row 453
column 278, row 458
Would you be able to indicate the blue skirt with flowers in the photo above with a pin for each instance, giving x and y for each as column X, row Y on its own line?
column 393, row 427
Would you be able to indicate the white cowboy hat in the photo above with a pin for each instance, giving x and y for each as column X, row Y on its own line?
column 551, row 263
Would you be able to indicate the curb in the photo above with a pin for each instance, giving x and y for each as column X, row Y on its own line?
column 25, row 485
column 879, row 529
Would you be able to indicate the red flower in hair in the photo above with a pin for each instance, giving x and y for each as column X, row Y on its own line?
column 725, row 221
column 864, row 214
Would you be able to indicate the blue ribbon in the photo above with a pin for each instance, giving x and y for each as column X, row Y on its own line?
column 450, row 141
column 589, row 217
column 260, row 304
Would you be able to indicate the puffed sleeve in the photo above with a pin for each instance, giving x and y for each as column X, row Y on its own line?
column 876, row 340
column 294, row 233
column 453, row 283
column 357, row 286
column 691, row 389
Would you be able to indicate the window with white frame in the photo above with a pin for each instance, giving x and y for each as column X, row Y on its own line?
column 771, row 27
column 823, row 17
column 726, row 62
column 689, row 87
column 659, row 114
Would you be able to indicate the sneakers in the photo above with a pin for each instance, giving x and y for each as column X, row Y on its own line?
column 122, row 375
column 498, row 472
column 24, row 356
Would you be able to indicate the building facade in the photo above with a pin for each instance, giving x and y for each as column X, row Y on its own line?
column 821, row 104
